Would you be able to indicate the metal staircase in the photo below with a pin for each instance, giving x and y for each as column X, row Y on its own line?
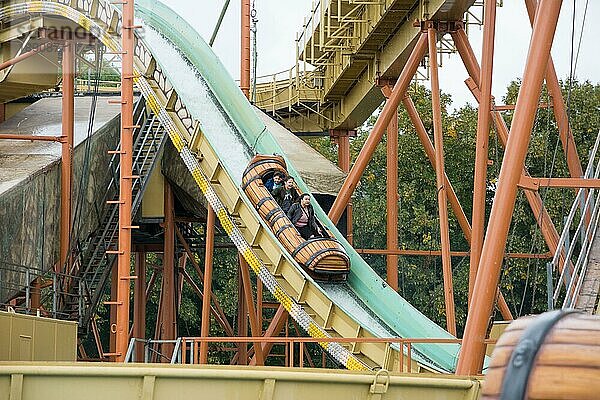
column 92, row 265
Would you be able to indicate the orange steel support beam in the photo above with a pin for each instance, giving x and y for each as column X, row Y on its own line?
column 255, row 328
column 216, row 309
column 66, row 170
column 392, row 200
column 437, row 253
column 168, row 329
column 481, row 145
column 430, row 151
column 32, row 138
column 343, row 141
column 24, row 56
column 242, row 318
column 274, row 329
column 139, row 304
column 389, row 109
column 529, row 183
column 126, row 167
column 259, row 303
column 542, row 217
column 558, row 106
column 473, row 348
column 458, row 211
column 208, row 270
column 245, row 49
column 112, row 343
column 440, row 182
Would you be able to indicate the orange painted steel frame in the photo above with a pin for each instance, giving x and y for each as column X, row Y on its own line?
column 24, row 56
column 139, row 304
column 168, row 307
column 430, row 151
column 535, row 201
column 66, row 171
column 245, row 49
column 481, row 145
column 125, row 191
column 558, row 106
column 342, row 139
column 378, row 130
column 473, row 349
column 208, row 268
column 430, row 253
column 440, row 182
column 269, row 341
column 255, row 328
column 392, row 197
column 32, row 138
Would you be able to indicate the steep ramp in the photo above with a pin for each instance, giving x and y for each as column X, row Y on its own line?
column 216, row 132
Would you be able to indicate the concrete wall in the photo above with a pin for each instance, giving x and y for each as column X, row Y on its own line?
column 30, row 211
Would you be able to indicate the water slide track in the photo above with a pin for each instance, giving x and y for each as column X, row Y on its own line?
column 216, row 132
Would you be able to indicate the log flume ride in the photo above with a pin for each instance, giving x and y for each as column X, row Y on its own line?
column 323, row 257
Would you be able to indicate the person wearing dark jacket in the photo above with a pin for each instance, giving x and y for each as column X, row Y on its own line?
column 275, row 181
column 286, row 195
column 302, row 216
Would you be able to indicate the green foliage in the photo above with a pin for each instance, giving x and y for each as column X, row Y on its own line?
column 523, row 281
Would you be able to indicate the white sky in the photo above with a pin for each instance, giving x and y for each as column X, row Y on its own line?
column 280, row 20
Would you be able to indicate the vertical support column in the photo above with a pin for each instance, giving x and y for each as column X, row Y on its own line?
column 342, row 139
column 242, row 318
column 481, row 145
column 139, row 304
column 2, row 112
column 473, row 349
column 259, row 303
column 440, row 181
column 208, row 269
column 245, row 49
column 36, row 293
column 112, row 341
column 535, row 200
column 256, row 331
column 414, row 117
column 392, row 201
column 126, row 167
column 378, row 129
column 66, row 171
column 169, row 322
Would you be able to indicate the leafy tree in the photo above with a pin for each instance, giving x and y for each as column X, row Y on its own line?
column 523, row 280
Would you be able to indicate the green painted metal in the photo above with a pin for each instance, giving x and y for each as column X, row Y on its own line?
column 389, row 306
column 66, row 381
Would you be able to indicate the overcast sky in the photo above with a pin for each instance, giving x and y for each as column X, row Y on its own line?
column 280, row 20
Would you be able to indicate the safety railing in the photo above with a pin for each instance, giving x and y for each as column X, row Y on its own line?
column 332, row 31
column 186, row 350
column 30, row 290
column 576, row 241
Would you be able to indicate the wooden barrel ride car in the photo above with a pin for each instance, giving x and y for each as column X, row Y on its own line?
column 555, row 355
column 324, row 257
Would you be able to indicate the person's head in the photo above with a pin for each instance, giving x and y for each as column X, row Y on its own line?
column 305, row 199
column 289, row 182
column 278, row 177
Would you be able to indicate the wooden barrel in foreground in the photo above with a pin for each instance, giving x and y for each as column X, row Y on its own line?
column 555, row 355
